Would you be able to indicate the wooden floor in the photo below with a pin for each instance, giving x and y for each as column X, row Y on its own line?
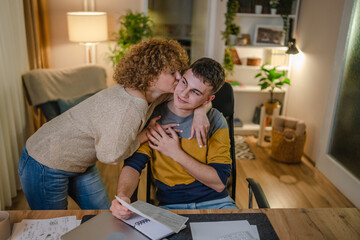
column 285, row 185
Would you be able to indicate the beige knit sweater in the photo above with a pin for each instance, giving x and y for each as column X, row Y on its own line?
column 104, row 127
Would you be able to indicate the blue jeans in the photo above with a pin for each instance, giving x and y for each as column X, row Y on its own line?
column 222, row 203
column 47, row 188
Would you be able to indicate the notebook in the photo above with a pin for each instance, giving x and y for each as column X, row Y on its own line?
column 149, row 228
column 104, row 226
column 147, row 225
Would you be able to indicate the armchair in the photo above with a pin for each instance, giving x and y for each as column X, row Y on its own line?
column 56, row 90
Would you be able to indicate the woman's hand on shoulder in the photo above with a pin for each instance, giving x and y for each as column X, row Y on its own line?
column 200, row 126
column 142, row 137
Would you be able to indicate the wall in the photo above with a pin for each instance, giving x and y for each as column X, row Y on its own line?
column 317, row 34
column 64, row 53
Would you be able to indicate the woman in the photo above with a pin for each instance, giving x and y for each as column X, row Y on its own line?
column 60, row 158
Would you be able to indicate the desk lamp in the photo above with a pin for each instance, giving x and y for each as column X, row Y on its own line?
column 87, row 28
column 292, row 47
column 291, row 41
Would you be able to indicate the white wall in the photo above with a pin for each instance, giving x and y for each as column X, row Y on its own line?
column 64, row 53
column 317, row 34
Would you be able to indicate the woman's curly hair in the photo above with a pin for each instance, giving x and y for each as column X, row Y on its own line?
column 146, row 60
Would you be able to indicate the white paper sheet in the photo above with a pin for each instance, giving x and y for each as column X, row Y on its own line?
column 215, row 230
column 41, row 229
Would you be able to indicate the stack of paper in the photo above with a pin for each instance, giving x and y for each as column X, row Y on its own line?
column 51, row 229
column 224, row 230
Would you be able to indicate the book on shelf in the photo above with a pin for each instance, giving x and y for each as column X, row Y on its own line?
column 154, row 222
column 238, row 122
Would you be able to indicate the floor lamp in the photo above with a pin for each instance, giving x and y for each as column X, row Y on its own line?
column 88, row 28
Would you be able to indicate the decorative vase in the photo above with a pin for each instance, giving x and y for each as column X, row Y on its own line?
column 269, row 107
column 273, row 11
column 258, row 9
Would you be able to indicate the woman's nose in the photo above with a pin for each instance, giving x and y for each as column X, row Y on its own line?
column 177, row 75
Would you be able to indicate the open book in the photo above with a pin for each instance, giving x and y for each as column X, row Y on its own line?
column 152, row 221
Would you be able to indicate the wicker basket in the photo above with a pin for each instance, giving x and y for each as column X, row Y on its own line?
column 287, row 146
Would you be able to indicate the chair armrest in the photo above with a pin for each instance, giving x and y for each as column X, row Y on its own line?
column 254, row 187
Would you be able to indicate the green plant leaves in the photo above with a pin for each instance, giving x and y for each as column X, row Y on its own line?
column 134, row 27
column 228, row 62
column 230, row 27
column 271, row 78
column 287, row 81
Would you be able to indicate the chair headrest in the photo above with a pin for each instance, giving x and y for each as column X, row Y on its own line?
column 224, row 100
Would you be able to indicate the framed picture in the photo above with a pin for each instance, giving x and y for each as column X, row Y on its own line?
column 244, row 40
column 269, row 35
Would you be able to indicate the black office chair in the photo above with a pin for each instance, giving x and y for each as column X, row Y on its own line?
column 256, row 190
column 224, row 102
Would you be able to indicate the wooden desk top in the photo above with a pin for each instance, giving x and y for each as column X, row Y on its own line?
column 310, row 223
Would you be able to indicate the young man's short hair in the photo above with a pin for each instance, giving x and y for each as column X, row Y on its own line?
column 209, row 71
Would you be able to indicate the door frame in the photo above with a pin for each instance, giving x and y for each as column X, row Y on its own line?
column 333, row 170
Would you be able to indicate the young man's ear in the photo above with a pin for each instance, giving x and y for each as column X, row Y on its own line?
column 209, row 100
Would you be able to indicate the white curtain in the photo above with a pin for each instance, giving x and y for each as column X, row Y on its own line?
column 13, row 128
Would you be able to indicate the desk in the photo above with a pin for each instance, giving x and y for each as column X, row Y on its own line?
column 310, row 223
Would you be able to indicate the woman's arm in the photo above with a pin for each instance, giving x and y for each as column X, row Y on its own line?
column 201, row 124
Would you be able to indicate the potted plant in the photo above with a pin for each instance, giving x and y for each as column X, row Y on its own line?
column 230, row 29
column 271, row 79
column 134, row 27
column 234, row 31
column 273, row 6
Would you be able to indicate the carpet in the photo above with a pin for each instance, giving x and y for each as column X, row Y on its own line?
column 242, row 149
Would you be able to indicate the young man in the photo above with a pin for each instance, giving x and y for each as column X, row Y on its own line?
column 187, row 176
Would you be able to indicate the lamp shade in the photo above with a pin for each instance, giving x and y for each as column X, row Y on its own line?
column 87, row 27
column 292, row 47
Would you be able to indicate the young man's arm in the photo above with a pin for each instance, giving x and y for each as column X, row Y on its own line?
column 127, row 183
column 169, row 145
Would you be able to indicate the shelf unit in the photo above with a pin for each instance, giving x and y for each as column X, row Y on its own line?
column 248, row 96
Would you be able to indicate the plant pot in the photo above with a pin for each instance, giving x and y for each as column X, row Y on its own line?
column 273, row 11
column 269, row 107
column 253, row 61
column 232, row 39
column 258, row 9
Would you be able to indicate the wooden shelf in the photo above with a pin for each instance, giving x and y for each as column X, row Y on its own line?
column 255, row 89
column 249, row 129
column 262, row 46
column 249, row 96
column 257, row 68
column 265, row 15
